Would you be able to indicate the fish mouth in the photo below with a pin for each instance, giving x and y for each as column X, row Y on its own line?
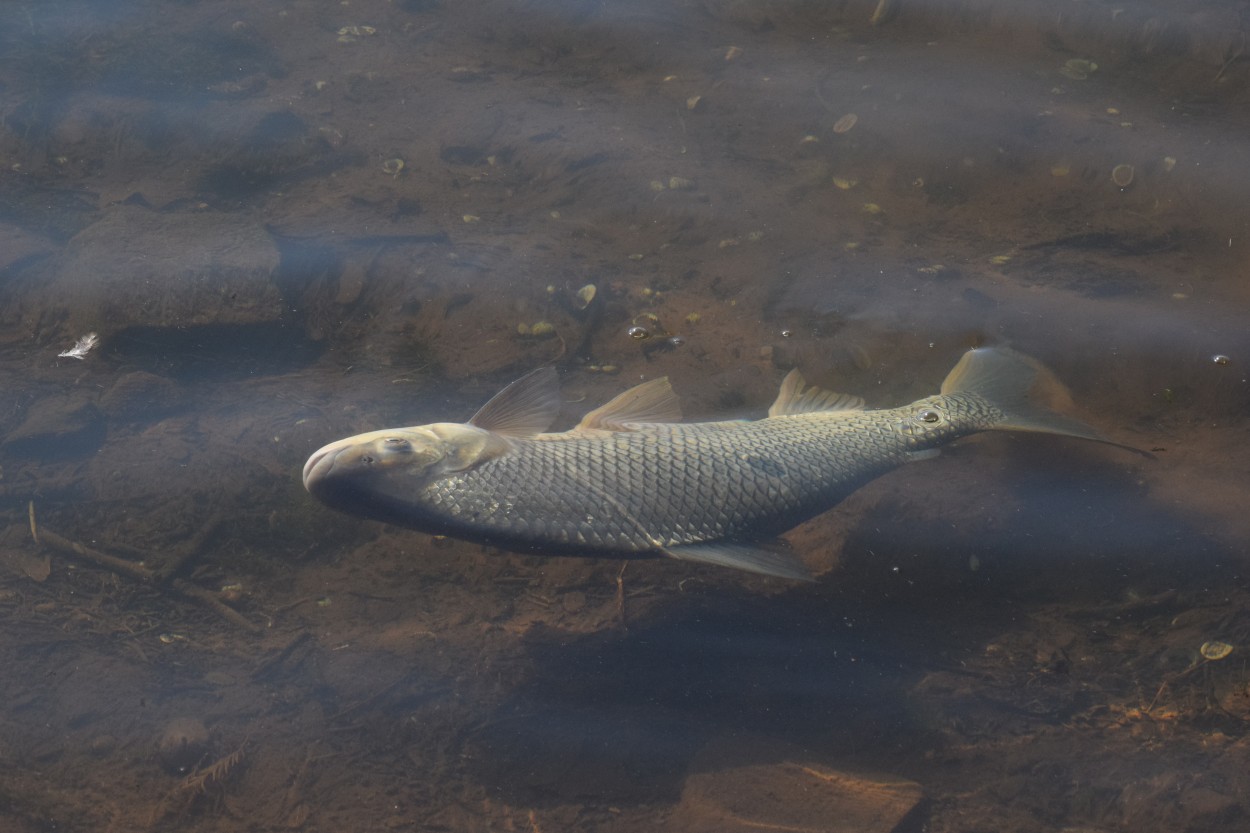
column 320, row 466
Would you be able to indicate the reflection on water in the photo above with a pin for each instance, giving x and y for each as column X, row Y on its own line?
column 292, row 222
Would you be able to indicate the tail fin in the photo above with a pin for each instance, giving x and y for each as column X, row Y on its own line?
column 1029, row 396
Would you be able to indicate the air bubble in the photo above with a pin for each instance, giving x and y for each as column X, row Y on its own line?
column 639, row 333
column 1220, row 358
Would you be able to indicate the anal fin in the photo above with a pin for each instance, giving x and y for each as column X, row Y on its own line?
column 752, row 558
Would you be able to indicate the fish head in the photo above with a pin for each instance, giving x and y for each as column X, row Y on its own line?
column 396, row 463
column 928, row 422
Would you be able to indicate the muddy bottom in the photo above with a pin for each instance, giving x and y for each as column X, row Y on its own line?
column 287, row 223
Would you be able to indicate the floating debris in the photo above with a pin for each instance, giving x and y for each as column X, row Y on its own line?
column 732, row 53
column 1214, row 650
column 658, row 185
column 844, row 124
column 1122, row 175
column 693, row 318
column 680, row 183
column 349, row 34
column 585, row 295
column 809, row 139
column 693, row 102
column 393, row 166
column 872, row 208
column 1169, row 162
column 471, row 218
column 1060, row 169
column 1078, row 69
column 999, row 260
column 81, row 347
column 542, row 329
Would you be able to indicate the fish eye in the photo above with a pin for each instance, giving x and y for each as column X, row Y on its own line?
column 396, row 443
column 929, row 415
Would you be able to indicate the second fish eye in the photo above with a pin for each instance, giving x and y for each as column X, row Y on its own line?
column 929, row 415
column 395, row 442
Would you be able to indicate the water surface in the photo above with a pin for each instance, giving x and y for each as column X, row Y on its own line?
column 289, row 222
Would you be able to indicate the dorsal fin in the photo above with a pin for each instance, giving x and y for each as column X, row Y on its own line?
column 793, row 398
column 650, row 402
column 524, row 408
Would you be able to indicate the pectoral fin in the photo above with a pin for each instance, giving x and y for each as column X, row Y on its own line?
column 740, row 556
column 523, row 409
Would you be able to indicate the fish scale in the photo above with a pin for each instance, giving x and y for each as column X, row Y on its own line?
column 628, row 481
column 700, row 487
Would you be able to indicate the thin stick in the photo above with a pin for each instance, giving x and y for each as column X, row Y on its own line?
column 620, row 594
column 215, row 604
column 118, row 565
column 140, row 573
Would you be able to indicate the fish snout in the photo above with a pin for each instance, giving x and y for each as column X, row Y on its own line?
column 320, row 464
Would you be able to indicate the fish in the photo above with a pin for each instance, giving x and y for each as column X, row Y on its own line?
column 631, row 480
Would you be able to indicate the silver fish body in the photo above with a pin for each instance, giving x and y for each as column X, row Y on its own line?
column 630, row 482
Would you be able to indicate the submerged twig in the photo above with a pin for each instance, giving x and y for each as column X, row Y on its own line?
column 138, row 572
column 620, row 594
column 164, row 581
column 182, row 798
column 215, row 773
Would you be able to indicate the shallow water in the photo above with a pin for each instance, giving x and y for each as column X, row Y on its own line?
column 292, row 222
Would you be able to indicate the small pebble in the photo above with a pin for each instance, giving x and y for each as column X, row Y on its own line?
column 183, row 742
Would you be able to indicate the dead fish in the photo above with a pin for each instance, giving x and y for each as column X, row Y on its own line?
column 630, row 480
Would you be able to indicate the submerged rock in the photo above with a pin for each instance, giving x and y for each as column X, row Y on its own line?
column 140, row 396
column 57, row 427
column 788, row 791
column 182, row 745
column 136, row 267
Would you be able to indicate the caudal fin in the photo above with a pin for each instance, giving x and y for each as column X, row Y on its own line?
column 1029, row 397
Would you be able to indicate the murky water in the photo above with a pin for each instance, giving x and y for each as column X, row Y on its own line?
column 289, row 222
